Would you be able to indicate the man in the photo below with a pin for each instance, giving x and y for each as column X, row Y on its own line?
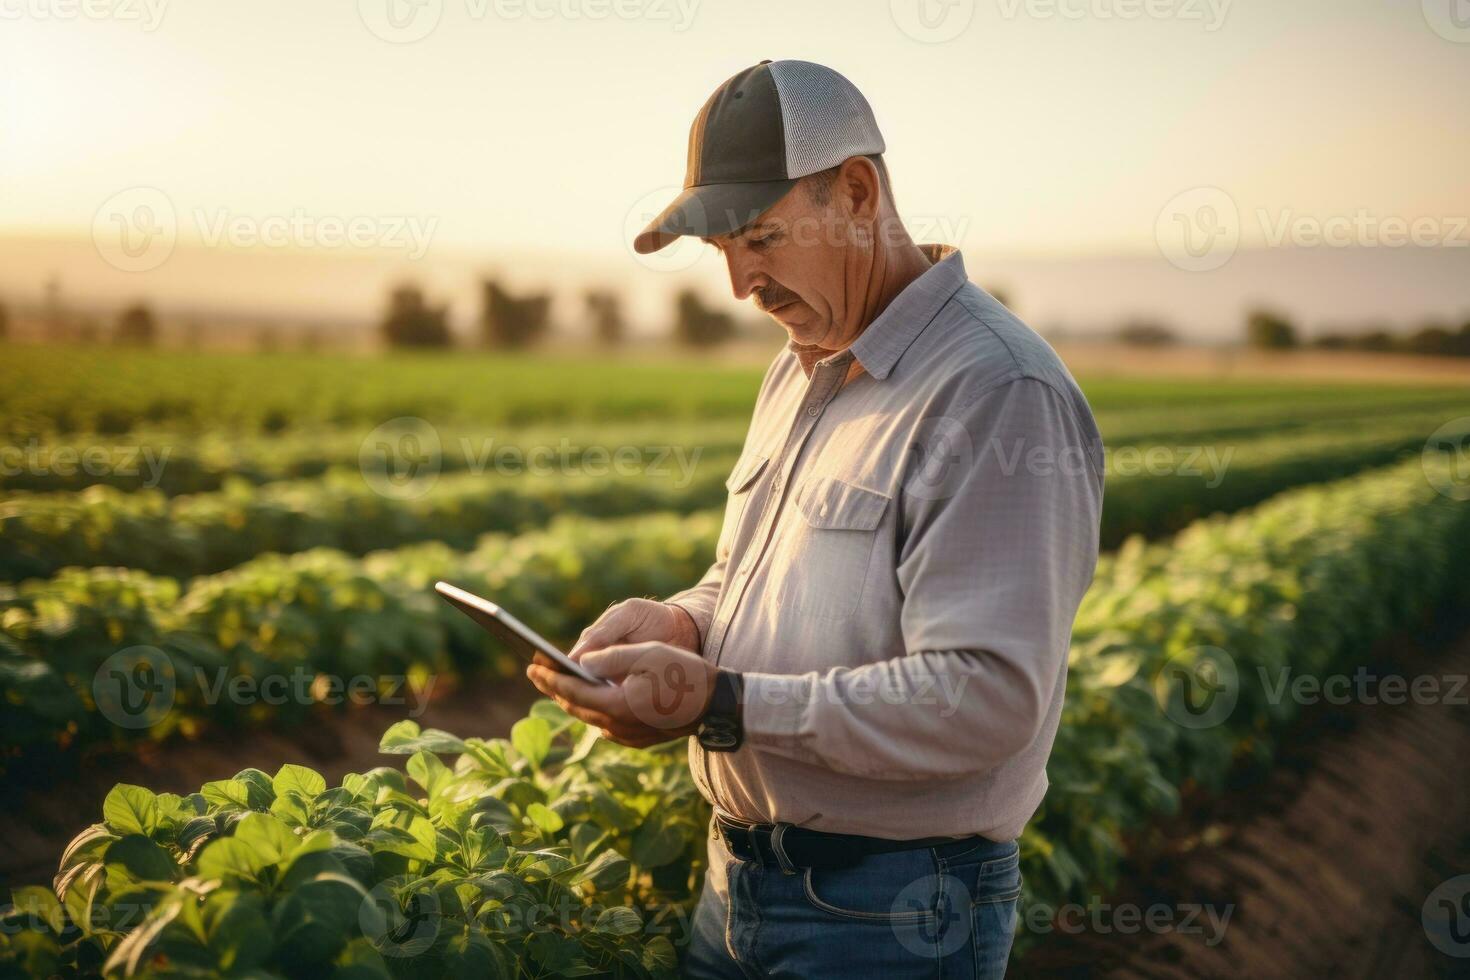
column 873, row 668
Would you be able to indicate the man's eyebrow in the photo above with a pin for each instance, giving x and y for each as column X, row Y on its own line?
column 745, row 232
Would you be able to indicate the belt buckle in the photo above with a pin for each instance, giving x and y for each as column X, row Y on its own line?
column 778, row 847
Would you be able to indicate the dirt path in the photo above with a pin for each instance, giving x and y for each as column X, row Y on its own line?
column 1324, row 867
column 40, row 821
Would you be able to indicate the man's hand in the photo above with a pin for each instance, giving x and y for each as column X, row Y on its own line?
column 660, row 691
column 638, row 621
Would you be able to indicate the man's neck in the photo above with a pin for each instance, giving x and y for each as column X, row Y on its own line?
column 889, row 273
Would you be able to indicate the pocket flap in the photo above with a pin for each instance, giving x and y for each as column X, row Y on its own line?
column 827, row 502
column 747, row 468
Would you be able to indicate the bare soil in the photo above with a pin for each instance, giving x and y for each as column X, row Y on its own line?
column 1324, row 863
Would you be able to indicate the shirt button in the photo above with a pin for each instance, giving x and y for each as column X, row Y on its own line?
column 813, row 411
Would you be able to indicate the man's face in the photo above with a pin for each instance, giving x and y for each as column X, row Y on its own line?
column 799, row 263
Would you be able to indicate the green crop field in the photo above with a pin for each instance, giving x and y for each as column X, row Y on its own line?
column 201, row 519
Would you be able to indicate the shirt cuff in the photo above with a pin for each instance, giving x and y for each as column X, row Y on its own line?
column 773, row 711
column 699, row 605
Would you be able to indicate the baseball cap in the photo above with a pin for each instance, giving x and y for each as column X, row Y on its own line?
column 757, row 135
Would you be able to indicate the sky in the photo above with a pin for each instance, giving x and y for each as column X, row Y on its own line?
column 1046, row 128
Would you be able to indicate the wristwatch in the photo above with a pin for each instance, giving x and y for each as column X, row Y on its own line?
column 721, row 730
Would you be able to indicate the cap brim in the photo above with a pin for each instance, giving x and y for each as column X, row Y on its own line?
column 711, row 209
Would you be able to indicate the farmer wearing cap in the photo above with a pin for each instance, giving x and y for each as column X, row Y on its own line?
column 872, row 670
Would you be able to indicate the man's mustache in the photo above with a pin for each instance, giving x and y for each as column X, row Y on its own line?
column 772, row 297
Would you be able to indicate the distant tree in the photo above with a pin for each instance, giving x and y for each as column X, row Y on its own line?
column 136, row 326
column 4, row 322
column 1265, row 330
column 86, row 331
column 1147, row 333
column 1376, row 340
column 1332, row 341
column 1431, row 339
column 697, row 325
column 605, row 311
column 1462, row 340
column 1001, row 295
column 508, row 322
column 267, row 340
column 411, row 322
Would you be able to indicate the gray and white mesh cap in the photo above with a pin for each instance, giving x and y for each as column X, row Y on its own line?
column 759, row 133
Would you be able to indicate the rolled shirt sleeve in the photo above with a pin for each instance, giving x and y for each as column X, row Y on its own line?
column 992, row 568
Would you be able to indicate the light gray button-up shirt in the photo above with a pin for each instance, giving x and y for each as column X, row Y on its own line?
column 899, row 567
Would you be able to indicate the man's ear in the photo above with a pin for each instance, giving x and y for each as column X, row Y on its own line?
column 860, row 188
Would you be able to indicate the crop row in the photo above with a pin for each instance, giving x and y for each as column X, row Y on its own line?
column 393, row 452
column 68, row 390
column 106, row 654
column 433, row 872
column 1151, row 490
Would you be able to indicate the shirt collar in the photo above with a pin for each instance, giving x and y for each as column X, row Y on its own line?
column 879, row 347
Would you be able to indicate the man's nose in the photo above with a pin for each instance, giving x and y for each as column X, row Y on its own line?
column 745, row 274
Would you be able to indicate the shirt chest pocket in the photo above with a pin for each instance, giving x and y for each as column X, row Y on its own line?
column 828, row 549
column 748, row 469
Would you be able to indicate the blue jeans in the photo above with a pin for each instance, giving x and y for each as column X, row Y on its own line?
column 946, row 911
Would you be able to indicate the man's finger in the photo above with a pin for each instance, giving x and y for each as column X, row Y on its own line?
column 616, row 661
column 611, row 628
column 600, row 697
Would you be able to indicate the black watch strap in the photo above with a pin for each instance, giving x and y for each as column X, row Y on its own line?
column 721, row 729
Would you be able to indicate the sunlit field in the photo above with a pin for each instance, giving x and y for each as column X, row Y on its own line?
column 177, row 525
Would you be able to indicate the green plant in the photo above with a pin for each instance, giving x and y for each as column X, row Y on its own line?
column 551, row 854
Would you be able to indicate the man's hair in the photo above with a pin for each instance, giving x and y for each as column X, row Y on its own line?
column 819, row 185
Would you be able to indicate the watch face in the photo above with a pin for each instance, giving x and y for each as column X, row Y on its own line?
column 717, row 739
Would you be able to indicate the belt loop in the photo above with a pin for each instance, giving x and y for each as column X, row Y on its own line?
column 777, row 833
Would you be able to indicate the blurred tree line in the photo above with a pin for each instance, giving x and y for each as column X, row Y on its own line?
column 514, row 322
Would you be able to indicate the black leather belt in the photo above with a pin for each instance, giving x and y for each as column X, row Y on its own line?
column 788, row 847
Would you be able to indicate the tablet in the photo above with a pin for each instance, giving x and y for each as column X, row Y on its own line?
column 521, row 638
